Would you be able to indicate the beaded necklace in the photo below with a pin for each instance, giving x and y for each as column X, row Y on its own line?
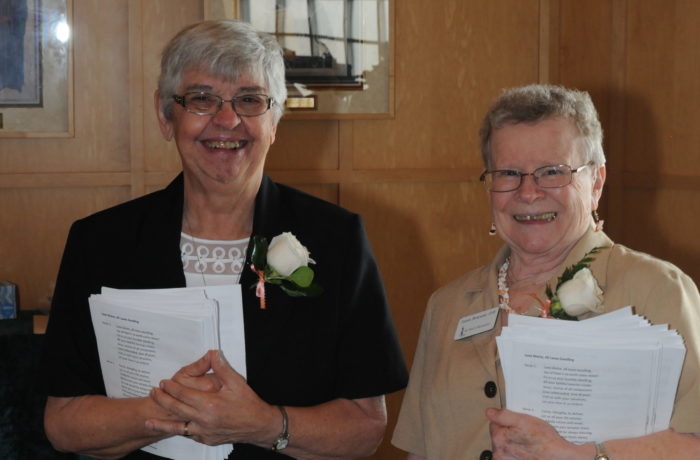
column 503, row 297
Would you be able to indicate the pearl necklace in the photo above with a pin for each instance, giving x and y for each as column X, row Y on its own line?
column 503, row 297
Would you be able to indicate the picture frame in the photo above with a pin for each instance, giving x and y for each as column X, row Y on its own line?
column 338, row 53
column 36, row 78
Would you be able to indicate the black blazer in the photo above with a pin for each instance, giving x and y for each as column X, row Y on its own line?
column 299, row 351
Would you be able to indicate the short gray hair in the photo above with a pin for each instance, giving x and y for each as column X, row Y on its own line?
column 225, row 49
column 533, row 103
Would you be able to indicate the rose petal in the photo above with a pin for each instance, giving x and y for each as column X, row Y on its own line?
column 285, row 254
column 580, row 294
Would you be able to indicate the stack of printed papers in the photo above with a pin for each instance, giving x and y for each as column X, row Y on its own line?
column 607, row 377
column 145, row 336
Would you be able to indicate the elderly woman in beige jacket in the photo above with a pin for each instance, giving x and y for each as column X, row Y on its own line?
column 544, row 171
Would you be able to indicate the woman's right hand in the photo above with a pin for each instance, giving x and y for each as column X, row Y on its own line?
column 102, row 427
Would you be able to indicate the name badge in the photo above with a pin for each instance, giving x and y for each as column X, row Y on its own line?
column 476, row 324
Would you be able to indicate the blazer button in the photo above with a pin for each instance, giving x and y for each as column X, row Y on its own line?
column 486, row 455
column 490, row 389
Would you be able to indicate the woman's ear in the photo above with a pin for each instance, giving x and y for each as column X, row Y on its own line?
column 166, row 126
column 599, row 182
column 273, row 133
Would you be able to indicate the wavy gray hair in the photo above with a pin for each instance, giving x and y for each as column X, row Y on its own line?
column 533, row 103
column 225, row 49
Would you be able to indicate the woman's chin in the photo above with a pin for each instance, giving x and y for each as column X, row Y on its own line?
column 534, row 245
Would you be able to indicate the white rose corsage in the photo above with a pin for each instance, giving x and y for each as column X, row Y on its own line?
column 284, row 263
column 577, row 291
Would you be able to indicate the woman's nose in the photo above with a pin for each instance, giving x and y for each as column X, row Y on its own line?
column 227, row 117
column 529, row 190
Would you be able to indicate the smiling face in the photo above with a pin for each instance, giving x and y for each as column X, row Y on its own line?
column 536, row 221
column 224, row 148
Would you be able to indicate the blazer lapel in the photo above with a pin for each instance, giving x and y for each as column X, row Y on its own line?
column 160, row 241
column 485, row 344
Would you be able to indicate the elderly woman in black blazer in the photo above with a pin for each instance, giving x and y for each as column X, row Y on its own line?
column 317, row 367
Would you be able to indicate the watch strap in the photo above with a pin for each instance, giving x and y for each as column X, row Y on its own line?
column 283, row 438
column 601, row 453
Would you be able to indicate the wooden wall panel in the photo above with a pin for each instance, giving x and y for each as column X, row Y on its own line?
column 424, row 235
column 644, row 82
column 669, row 218
column 661, row 139
column 161, row 21
column 305, row 144
column 451, row 60
column 587, row 63
column 34, row 233
column 101, row 89
column 664, row 88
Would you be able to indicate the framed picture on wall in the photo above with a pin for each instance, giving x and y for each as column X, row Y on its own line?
column 337, row 53
column 20, row 53
column 36, row 89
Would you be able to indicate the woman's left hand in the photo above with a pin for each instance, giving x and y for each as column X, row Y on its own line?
column 220, row 406
column 524, row 437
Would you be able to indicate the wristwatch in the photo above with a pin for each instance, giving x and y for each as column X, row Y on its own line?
column 282, row 440
column 601, row 454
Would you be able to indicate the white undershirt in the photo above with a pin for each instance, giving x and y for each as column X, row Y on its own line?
column 212, row 262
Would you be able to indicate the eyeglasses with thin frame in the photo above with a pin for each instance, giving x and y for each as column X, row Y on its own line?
column 552, row 176
column 245, row 105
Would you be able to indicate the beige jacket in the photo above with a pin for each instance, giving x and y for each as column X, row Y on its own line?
column 442, row 415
